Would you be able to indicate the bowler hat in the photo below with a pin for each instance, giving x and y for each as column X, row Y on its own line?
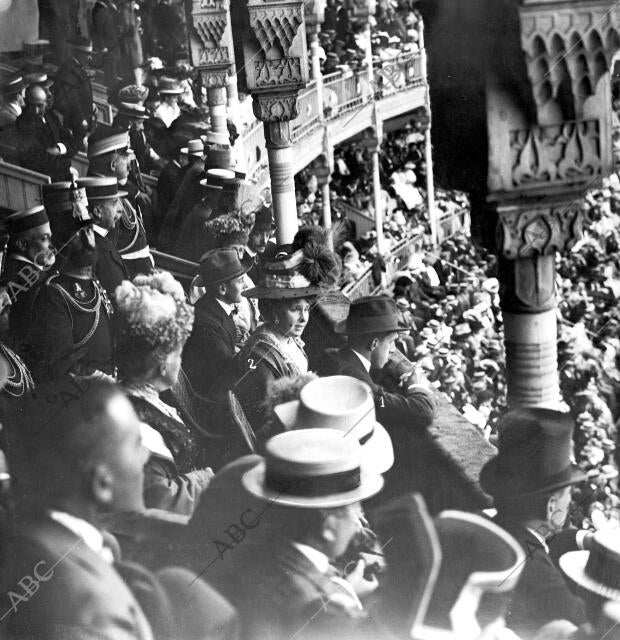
column 371, row 314
column 312, row 469
column 347, row 405
column 597, row 570
column 220, row 265
column 101, row 188
column 264, row 219
column 534, row 454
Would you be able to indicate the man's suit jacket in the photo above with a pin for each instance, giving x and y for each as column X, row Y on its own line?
column 281, row 594
column 78, row 595
column 542, row 594
column 36, row 136
column 110, row 268
column 188, row 194
column 73, row 97
column 210, row 350
column 416, row 410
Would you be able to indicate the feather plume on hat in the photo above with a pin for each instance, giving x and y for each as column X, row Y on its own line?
column 321, row 265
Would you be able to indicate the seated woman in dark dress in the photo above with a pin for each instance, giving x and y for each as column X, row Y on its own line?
column 155, row 323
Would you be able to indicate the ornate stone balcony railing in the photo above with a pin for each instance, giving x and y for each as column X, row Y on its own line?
column 348, row 99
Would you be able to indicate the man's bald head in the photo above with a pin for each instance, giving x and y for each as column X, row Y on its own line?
column 36, row 99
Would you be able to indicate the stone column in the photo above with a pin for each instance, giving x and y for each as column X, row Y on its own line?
column 528, row 237
column 211, row 51
column 272, row 63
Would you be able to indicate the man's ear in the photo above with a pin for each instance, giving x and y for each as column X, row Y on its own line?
column 374, row 343
column 222, row 288
column 22, row 244
column 102, row 484
column 328, row 527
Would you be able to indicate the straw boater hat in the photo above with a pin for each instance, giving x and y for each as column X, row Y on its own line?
column 101, row 188
column 104, row 141
column 370, row 315
column 218, row 178
column 597, row 570
column 534, row 454
column 347, row 405
column 81, row 43
column 194, row 148
column 312, row 469
column 169, row 86
column 131, row 104
column 281, row 279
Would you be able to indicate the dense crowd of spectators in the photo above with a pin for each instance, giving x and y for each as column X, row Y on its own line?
column 187, row 457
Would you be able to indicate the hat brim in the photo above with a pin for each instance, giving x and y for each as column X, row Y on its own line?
column 170, row 92
column 114, row 196
column 342, row 329
column 200, row 282
column 205, row 182
column 378, row 451
column 573, row 564
column 254, row 482
column 501, row 486
column 133, row 114
column 281, row 294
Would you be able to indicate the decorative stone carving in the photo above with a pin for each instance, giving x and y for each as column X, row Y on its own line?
column 538, row 231
column 275, row 59
column 568, row 47
column 210, row 39
column 555, row 154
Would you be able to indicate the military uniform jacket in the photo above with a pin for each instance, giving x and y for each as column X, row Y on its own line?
column 71, row 328
column 110, row 268
column 22, row 279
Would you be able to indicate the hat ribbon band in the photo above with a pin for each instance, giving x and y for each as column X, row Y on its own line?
column 603, row 569
column 277, row 281
column 315, row 486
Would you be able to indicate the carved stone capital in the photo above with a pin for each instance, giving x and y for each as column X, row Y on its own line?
column 278, row 134
column 210, row 40
column 216, row 95
column 274, row 67
column 274, row 107
column 538, row 231
column 527, row 285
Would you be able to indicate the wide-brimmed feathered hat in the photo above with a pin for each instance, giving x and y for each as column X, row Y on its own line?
column 281, row 279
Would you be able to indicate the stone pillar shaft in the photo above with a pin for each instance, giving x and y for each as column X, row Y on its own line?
column 532, row 359
column 216, row 96
column 280, row 156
